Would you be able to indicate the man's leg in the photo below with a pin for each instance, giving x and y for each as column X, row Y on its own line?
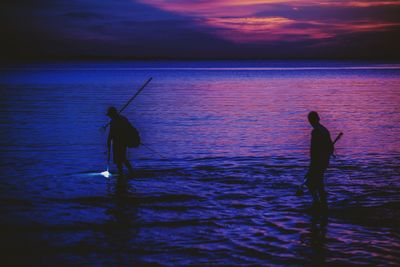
column 322, row 193
column 119, row 167
column 313, row 191
column 312, row 184
column 314, row 197
column 129, row 166
column 321, row 187
column 119, row 152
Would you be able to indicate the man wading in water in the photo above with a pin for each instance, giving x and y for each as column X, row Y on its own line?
column 119, row 137
column 320, row 151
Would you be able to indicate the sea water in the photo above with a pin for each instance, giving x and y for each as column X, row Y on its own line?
column 227, row 144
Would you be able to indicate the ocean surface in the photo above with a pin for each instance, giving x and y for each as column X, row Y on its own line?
column 226, row 148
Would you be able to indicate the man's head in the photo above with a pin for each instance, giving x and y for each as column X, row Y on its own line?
column 112, row 112
column 313, row 118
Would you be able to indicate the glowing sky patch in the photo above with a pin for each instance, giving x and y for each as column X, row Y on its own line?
column 279, row 28
column 366, row 3
column 200, row 29
column 243, row 7
column 240, row 20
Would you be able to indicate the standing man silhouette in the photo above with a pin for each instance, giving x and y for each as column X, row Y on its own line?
column 118, row 136
column 320, row 152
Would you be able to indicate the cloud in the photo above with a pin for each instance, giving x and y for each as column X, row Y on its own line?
column 273, row 20
column 83, row 15
column 267, row 29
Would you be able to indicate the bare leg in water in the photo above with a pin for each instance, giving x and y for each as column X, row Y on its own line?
column 316, row 187
column 120, row 171
column 128, row 166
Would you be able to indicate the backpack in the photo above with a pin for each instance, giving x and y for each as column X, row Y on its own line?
column 133, row 137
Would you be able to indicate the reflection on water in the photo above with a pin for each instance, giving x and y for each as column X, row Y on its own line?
column 236, row 140
column 317, row 239
column 121, row 227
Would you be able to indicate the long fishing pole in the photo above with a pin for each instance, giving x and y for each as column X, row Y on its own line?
column 337, row 138
column 334, row 142
column 137, row 93
column 130, row 100
column 155, row 152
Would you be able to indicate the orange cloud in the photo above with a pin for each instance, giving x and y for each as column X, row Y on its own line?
column 237, row 20
column 263, row 29
column 224, row 6
column 361, row 3
column 279, row 28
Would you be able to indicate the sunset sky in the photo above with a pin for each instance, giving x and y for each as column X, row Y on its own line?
column 200, row 28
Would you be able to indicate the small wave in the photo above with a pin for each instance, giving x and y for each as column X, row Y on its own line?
column 101, row 200
column 384, row 215
column 181, row 223
column 234, row 196
column 15, row 202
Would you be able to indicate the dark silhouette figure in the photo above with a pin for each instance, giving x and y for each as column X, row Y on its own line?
column 118, row 136
column 320, row 152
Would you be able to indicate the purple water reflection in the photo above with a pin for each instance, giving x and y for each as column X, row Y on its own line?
column 236, row 137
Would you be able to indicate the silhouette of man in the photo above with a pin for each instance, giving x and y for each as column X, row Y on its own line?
column 119, row 129
column 320, row 152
